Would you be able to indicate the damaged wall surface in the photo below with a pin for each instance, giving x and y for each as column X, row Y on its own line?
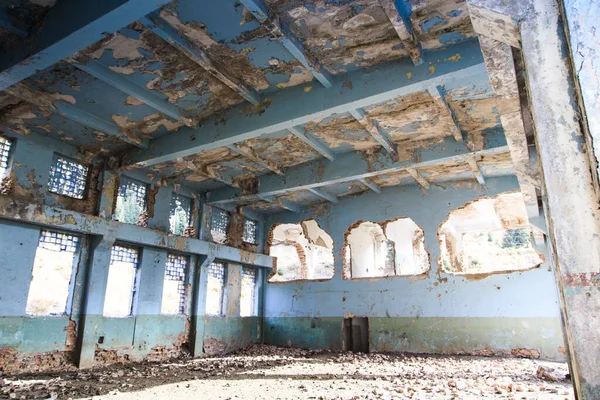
column 439, row 312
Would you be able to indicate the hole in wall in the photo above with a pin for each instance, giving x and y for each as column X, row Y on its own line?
column 489, row 235
column 100, row 339
column 390, row 248
column 356, row 334
column 303, row 251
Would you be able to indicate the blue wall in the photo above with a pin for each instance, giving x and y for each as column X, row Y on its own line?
column 500, row 312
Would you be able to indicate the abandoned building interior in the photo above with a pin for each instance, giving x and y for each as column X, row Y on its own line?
column 187, row 178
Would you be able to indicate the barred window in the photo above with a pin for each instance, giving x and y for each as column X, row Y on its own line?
column 250, row 231
column 131, row 200
column 181, row 214
column 121, row 284
column 68, row 178
column 215, row 289
column 5, row 145
column 173, row 299
column 248, row 295
column 219, row 224
column 55, row 259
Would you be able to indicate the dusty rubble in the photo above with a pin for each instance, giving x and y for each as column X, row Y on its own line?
column 262, row 371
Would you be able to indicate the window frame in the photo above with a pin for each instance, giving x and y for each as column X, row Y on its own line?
column 184, row 296
column 255, row 291
column 10, row 145
column 189, row 212
column 60, row 189
column 256, row 231
column 134, row 290
column 71, row 287
column 137, row 182
column 223, row 297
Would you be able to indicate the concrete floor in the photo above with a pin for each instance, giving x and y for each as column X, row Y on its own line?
column 275, row 373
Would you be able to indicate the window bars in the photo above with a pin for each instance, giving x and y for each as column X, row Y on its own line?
column 131, row 200
column 5, row 145
column 124, row 254
column 215, row 288
column 181, row 214
column 175, row 271
column 56, row 241
column 220, row 221
column 68, row 178
column 250, row 231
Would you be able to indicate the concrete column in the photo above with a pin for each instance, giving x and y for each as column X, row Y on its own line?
column 233, row 290
column 205, row 220
column 150, row 281
column 109, row 191
column 99, row 261
column 199, row 277
column 571, row 199
column 162, row 209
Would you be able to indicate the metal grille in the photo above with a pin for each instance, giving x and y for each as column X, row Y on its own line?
column 56, row 241
column 68, row 178
column 248, row 291
column 250, row 231
column 175, row 271
column 129, row 187
column 220, row 221
column 5, row 145
column 216, row 283
column 181, row 214
column 124, row 254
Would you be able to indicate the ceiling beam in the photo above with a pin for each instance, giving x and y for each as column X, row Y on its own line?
column 353, row 166
column 418, row 177
column 476, row 170
column 100, row 71
column 371, row 185
column 286, row 37
column 324, row 195
column 372, row 127
column 295, row 107
column 314, row 143
column 157, row 24
column 401, row 22
column 69, row 26
column 45, row 101
column 283, row 203
column 439, row 97
column 247, row 152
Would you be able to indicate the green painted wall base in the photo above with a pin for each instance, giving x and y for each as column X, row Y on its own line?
column 226, row 334
column 426, row 335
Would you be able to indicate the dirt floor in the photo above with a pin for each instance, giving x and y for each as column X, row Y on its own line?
column 269, row 372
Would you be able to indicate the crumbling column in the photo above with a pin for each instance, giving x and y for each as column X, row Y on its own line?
column 571, row 200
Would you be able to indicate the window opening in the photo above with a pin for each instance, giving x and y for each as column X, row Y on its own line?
column 489, row 235
column 181, row 214
column 250, row 231
column 303, row 251
column 121, row 284
column 174, row 297
column 68, row 178
column 215, row 289
column 248, row 295
column 131, row 200
column 391, row 248
column 5, row 146
column 55, row 260
column 218, row 225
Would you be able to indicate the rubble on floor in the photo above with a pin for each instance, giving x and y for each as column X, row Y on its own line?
column 262, row 371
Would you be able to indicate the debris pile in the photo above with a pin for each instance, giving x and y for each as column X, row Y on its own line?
column 262, row 371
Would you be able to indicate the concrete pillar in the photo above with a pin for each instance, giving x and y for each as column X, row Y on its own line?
column 162, row 209
column 150, row 281
column 571, row 199
column 99, row 261
column 199, row 278
column 108, row 195
column 233, row 290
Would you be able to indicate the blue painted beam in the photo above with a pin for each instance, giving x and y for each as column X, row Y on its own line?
column 247, row 152
column 287, row 38
column 6, row 23
column 373, row 129
column 163, row 29
column 295, row 106
column 353, row 167
column 314, row 143
column 71, row 112
column 100, row 71
column 371, row 185
column 283, row 203
column 324, row 195
column 439, row 96
column 399, row 16
column 61, row 219
column 70, row 26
